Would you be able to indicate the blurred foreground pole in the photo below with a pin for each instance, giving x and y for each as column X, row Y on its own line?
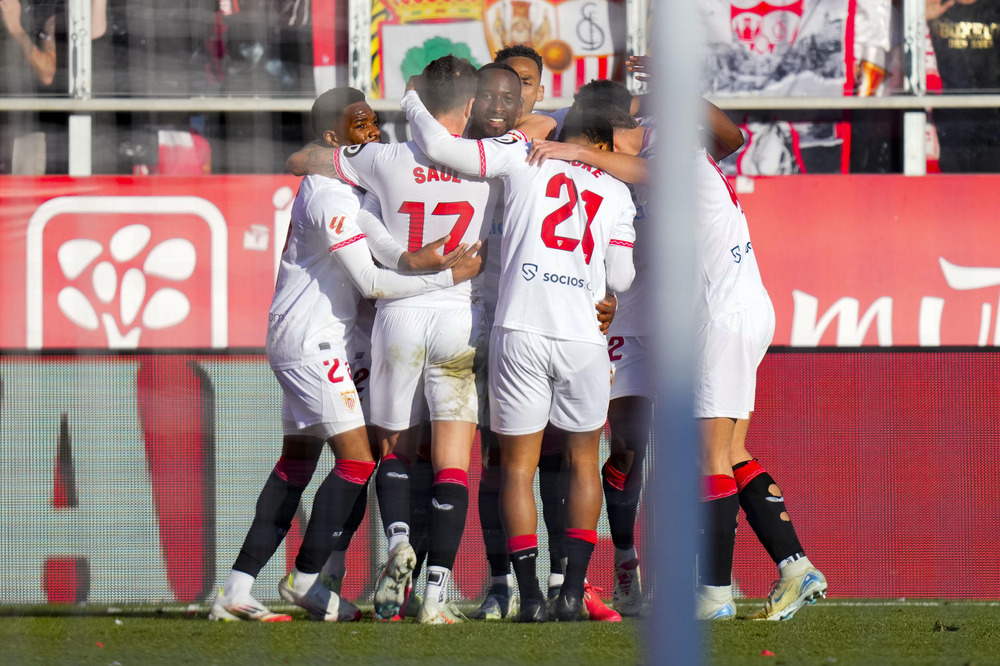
column 672, row 634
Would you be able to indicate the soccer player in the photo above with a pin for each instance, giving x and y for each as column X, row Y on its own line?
column 567, row 237
column 629, row 348
column 427, row 349
column 310, row 324
column 528, row 64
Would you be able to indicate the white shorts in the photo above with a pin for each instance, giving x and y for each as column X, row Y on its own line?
column 359, row 352
column 320, row 393
column 729, row 350
column 536, row 380
column 427, row 356
column 631, row 366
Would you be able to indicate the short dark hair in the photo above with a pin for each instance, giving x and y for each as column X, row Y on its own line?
column 591, row 125
column 329, row 107
column 503, row 68
column 448, row 84
column 610, row 91
column 619, row 118
column 519, row 51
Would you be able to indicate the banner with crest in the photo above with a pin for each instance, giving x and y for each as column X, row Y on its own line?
column 579, row 40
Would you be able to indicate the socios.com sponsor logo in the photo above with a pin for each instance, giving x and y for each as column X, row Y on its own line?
column 529, row 271
column 567, row 280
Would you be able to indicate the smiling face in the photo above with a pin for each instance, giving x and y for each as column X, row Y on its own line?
column 358, row 124
column 497, row 104
column 532, row 91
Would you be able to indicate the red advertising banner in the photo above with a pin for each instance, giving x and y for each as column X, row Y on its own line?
column 126, row 262
column 878, row 260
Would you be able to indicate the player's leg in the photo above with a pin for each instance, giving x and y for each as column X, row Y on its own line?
column 332, row 508
column 499, row 597
column 519, row 460
column 275, row 510
column 454, row 381
column 581, row 392
column 520, row 400
column 335, row 568
column 715, row 597
column 397, row 407
column 763, row 502
column 421, row 483
column 553, row 482
column 630, row 418
column 583, row 508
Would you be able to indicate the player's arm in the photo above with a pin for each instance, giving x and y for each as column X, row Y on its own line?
column 389, row 253
column 627, row 168
column 375, row 282
column 537, row 126
column 618, row 260
column 313, row 158
column 722, row 137
column 473, row 158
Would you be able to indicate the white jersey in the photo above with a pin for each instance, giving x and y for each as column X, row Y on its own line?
column 729, row 280
column 633, row 317
column 315, row 302
column 559, row 219
column 421, row 202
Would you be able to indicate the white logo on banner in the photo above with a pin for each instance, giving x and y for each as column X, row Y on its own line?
column 172, row 259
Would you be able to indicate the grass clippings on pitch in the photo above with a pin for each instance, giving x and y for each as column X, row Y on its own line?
column 831, row 632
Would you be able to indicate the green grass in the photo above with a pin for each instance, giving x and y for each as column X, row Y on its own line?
column 832, row 632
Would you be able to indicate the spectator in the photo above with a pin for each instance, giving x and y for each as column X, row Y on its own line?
column 33, row 48
column 964, row 35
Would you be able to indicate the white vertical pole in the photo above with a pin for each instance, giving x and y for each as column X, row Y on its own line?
column 914, row 143
column 360, row 45
column 80, row 70
column 80, row 142
column 673, row 635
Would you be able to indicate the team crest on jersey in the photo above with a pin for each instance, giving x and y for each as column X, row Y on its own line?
column 351, row 151
column 350, row 399
column 337, row 224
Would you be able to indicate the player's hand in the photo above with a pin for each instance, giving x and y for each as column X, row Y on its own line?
column 413, row 83
column 606, row 312
column 543, row 150
column 641, row 69
column 428, row 260
column 470, row 265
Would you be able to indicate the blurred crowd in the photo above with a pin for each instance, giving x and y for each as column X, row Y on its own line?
column 193, row 48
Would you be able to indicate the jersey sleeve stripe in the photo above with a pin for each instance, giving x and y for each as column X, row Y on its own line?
column 519, row 134
column 354, row 239
column 336, row 165
column 620, row 243
column 482, row 160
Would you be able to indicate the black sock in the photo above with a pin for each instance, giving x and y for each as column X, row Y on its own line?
column 392, row 487
column 578, row 552
column 332, row 506
column 553, row 484
column 720, row 531
column 421, row 481
column 449, row 507
column 354, row 520
column 275, row 511
column 623, row 503
column 764, row 507
column 523, row 558
column 493, row 534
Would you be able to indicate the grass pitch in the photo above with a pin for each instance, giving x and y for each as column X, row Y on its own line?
column 832, row 632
